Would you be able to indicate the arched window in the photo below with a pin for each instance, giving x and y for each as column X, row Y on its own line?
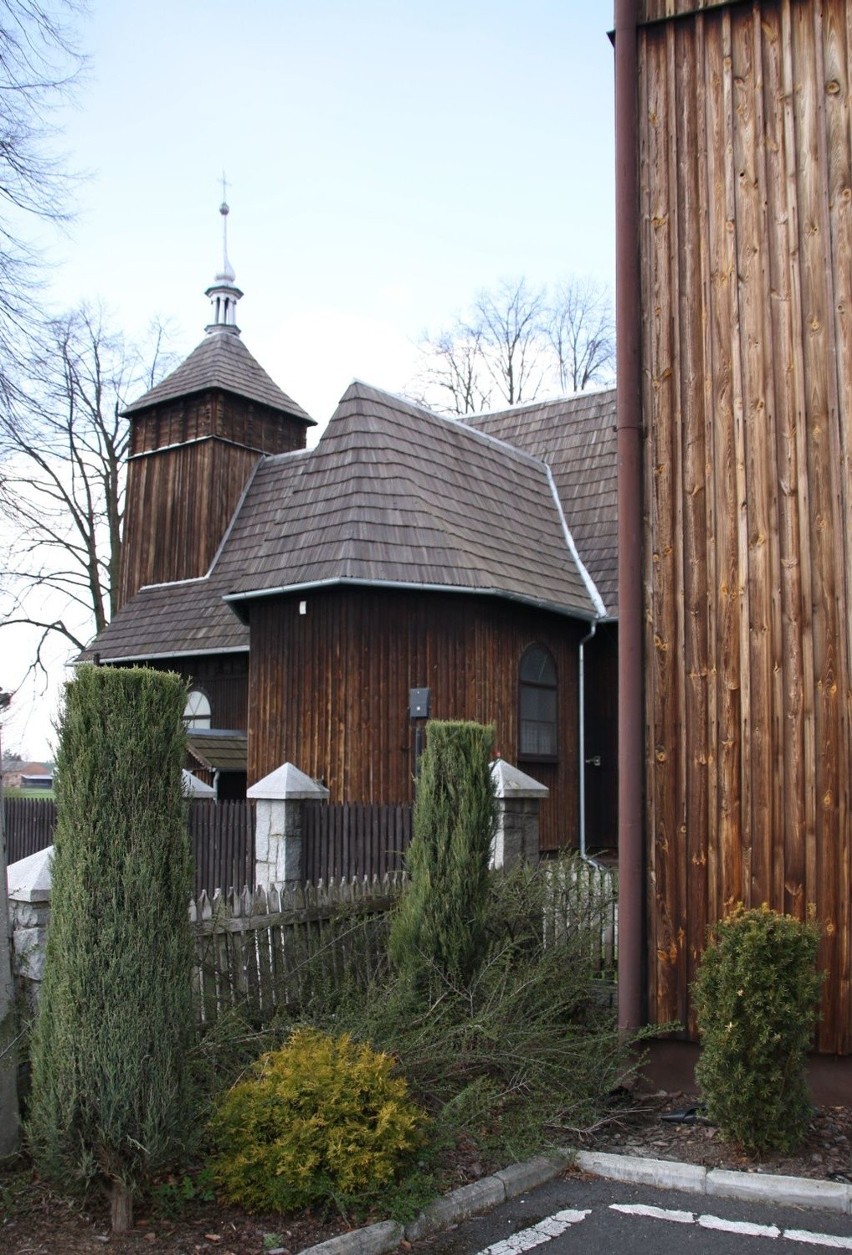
column 196, row 712
column 537, row 704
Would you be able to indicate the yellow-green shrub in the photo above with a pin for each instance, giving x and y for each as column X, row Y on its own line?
column 322, row 1118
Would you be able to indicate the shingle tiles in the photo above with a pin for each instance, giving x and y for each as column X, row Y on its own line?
column 394, row 494
column 221, row 360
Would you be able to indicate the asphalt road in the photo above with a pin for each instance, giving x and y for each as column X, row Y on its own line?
column 583, row 1216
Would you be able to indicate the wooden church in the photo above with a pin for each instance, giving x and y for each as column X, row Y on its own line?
column 323, row 602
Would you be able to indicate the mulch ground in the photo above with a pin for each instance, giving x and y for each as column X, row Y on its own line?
column 637, row 1127
column 36, row 1221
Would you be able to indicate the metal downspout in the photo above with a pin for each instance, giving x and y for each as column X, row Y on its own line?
column 631, row 870
column 581, row 685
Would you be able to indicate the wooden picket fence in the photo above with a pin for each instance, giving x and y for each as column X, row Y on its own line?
column 264, row 950
column 267, row 949
column 221, row 836
column 585, row 895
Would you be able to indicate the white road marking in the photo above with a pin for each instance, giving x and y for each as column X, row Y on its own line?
column 720, row 1224
column 545, row 1231
column 554, row 1226
column 819, row 1239
column 654, row 1213
column 739, row 1226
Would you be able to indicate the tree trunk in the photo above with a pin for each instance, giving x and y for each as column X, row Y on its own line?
column 121, row 1207
column 9, row 1111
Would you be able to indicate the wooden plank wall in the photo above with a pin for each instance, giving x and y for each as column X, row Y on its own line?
column 190, row 461
column 224, row 679
column 745, row 173
column 179, row 502
column 328, row 690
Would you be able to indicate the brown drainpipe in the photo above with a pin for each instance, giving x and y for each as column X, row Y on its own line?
column 631, row 869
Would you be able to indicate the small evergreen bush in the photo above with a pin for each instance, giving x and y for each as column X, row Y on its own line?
column 440, row 927
column 323, row 1118
column 756, row 997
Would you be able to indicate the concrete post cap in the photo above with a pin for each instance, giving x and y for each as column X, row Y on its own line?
column 29, row 880
column 510, row 782
column 287, row 784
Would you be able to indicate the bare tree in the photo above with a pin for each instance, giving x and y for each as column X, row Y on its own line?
column 510, row 322
column 63, row 445
column 517, row 345
column 581, row 333
column 454, row 374
column 39, row 67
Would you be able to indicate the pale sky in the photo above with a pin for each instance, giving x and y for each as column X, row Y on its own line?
column 386, row 161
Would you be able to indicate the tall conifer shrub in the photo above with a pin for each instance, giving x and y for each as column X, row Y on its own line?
column 439, row 930
column 110, row 1091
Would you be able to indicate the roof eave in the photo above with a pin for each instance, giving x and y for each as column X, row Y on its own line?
column 237, row 601
column 161, row 653
column 136, row 407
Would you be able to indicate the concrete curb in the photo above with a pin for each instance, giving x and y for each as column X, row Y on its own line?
column 461, row 1204
column 718, row 1182
column 375, row 1239
column 490, row 1192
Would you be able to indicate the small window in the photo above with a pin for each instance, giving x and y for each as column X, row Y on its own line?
column 538, row 706
column 196, row 712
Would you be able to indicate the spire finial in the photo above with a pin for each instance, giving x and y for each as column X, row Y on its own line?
column 224, row 210
column 223, row 292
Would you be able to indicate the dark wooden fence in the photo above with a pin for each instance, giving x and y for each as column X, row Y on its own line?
column 343, row 841
column 28, row 825
column 221, row 835
column 350, row 840
column 222, row 838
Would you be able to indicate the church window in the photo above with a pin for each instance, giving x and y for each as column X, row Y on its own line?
column 196, row 712
column 537, row 694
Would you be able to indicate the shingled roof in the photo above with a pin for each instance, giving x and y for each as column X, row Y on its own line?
column 171, row 620
column 396, row 495
column 222, row 361
column 576, row 437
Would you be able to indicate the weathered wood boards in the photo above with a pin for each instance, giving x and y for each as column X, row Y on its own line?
column 745, row 169
column 330, row 687
column 211, row 438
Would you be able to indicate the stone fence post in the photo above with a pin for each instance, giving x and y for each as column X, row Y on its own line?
column 28, row 883
column 516, row 839
column 279, row 827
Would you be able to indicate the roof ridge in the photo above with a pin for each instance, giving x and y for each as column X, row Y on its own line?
column 445, row 421
column 538, row 404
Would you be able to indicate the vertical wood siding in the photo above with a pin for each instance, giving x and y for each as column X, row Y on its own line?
column 746, row 272
column 172, row 529
column 328, row 690
column 225, row 681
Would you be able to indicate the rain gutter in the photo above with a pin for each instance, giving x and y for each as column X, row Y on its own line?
column 582, row 743
column 631, row 863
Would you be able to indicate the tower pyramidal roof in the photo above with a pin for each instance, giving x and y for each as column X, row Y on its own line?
column 221, row 360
